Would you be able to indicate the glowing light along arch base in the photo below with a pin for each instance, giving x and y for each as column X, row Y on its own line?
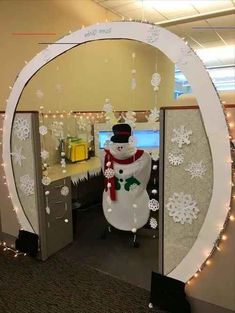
column 211, row 110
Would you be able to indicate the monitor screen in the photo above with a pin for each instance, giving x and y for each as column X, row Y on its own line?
column 145, row 138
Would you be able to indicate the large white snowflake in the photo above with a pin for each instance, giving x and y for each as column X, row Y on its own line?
column 44, row 154
column 18, row 156
column 27, row 185
column 21, row 128
column 153, row 34
column 181, row 136
column 175, row 157
column 196, row 169
column 182, row 208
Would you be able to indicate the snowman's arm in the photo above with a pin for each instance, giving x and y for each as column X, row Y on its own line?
column 144, row 169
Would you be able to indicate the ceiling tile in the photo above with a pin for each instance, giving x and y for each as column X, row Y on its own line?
column 205, row 6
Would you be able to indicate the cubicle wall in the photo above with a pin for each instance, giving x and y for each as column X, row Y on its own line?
column 186, row 182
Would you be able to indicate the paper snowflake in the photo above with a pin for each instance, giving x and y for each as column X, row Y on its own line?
column 153, row 222
column 153, row 34
column 43, row 130
column 82, row 123
column 155, row 155
column 21, row 128
column 109, row 173
column 107, row 106
column 44, row 154
column 57, row 129
column 64, row 191
column 182, row 208
column 196, row 169
column 39, row 94
column 46, row 180
column 133, row 83
column 153, row 116
column 153, row 205
column 185, row 54
column 18, row 156
column 155, row 81
column 181, row 136
column 48, row 211
column 176, row 157
column 27, row 185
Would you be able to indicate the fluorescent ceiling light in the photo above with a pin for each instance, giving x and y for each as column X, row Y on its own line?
column 224, row 53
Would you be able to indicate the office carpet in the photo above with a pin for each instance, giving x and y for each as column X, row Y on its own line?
column 66, row 286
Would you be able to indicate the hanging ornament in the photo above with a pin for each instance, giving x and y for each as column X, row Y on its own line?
column 27, row 185
column 46, row 180
column 48, row 211
column 64, row 191
column 153, row 222
column 196, row 169
column 130, row 118
column 18, row 156
column 153, row 116
column 154, row 167
column 153, row 205
column 155, row 155
column 176, row 157
column 107, row 106
column 155, row 81
column 109, row 173
column 63, row 162
column 182, row 208
column 43, row 130
column 181, row 136
column 21, row 128
column 109, row 114
column 57, row 129
column 133, row 79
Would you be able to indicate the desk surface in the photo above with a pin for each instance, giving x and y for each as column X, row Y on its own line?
column 74, row 169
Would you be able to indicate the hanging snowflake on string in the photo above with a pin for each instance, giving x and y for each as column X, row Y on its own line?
column 153, row 222
column 130, row 118
column 155, row 81
column 46, row 180
column 39, row 94
column 133, row 80
column 107, row 106
column 176, row 157
column 153, row 205
column 155, row 155
column 196, row 169
column 181, row 136
column 182, row 208
column 63, row 162
column 21, row 128
column 153, row 116
column 43, row 130
column 18, row 156
column 64, row 191
column 27, row 185
column 109, row 173
column 44, row 154
column 109, row 114
column 153, row 34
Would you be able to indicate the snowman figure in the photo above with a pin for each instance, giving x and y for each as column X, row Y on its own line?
column 127, row 172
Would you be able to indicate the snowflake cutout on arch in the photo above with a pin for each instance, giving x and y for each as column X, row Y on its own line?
column 21, row 128
column 18, row 156
column 176, row 157
column 182, row 208
column 153, row 222
column 196, row 169
column 27, row 185
column 185, row 54
column 153, row 34
column 181, row 136
column 153, row 205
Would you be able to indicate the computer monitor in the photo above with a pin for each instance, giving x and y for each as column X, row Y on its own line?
column 147, row 136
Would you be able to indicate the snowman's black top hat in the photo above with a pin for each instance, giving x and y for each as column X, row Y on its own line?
column 122, row 132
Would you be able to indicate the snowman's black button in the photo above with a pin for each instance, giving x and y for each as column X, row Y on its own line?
column 120, row 171
column 121, row 180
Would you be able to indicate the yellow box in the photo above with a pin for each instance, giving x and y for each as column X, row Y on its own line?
column 76, row 151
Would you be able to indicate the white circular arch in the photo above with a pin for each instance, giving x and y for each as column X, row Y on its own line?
column 211, row 110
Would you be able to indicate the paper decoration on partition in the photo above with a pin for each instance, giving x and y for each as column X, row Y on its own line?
column 27, row 185
column 181, row 136
column 155, row 81
column 155, row 157
column 39, row 94
column 153, row 116
column 46, row 180
column 153, row 205
column 175, row 157
column 44, row 154
column 94, row 172
column 153, row 34
column 18, row 156
column 130, row 118
column 21, row 128
column 64, row 191
column 196, row 169
column 153, row 222
column 182, row 208
column 43, row 130
column 80, row 177
column 109, row 114
column 83, row 123
column 57, row 129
